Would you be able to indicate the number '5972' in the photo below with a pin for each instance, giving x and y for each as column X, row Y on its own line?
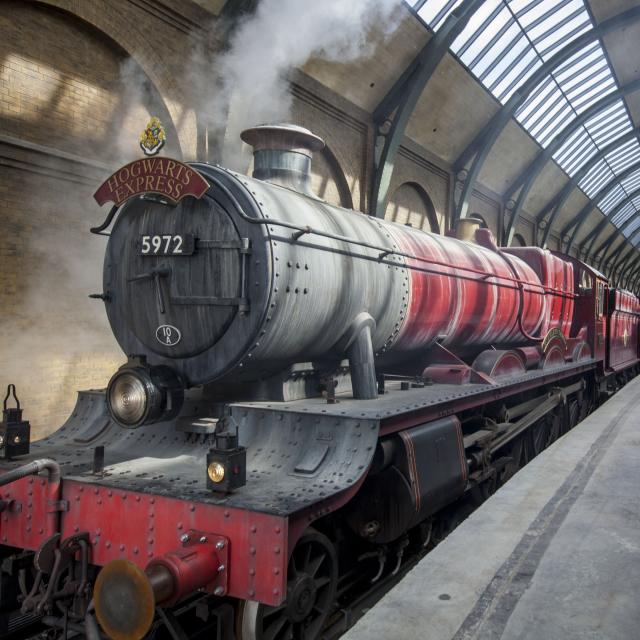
column 165, row 244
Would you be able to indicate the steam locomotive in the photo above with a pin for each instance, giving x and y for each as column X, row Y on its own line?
column 309, row 392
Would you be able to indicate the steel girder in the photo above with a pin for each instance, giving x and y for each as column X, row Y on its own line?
column 619, row 266
column 626, row 269
column 581, row 218
column 593, row 203
column 624, row 250
column 634, row 277
column 559, row 200
column 536, row 167
column 403, row 97
column 476, row 153
column 632, row 280
column 612, row 267
column 630, row 251
column 622, row 227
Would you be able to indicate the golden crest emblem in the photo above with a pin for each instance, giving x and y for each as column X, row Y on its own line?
column 152, row 139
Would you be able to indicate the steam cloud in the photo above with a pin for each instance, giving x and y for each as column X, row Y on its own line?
column 281, row 35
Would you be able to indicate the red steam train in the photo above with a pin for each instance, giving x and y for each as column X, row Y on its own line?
column 309, row 393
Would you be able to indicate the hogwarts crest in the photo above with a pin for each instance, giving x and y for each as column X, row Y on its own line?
column 152, row 139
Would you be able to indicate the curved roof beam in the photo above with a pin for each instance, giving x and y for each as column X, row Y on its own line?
column 622, row 227
column 634, row 270
column 620, row 265
column 536, row 167
column 634, row 278
column 593, row 203
column 559, row 200
column 624, row 250
column 632, row 236
column 625, row 269
column 476, row 153
column 403, row 97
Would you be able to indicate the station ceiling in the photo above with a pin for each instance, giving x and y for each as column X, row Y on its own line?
column 567, row 72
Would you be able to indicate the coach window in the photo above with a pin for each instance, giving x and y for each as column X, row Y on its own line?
column 586, row 283
column 600, row 309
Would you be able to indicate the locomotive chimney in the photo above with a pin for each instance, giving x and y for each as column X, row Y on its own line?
column 282, row 154
column 467, row 227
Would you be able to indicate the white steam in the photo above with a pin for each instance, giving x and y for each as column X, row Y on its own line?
column 281, row 35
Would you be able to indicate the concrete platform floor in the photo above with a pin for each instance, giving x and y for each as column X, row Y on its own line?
column 554, row 554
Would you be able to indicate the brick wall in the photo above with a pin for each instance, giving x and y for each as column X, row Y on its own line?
column 66, row 115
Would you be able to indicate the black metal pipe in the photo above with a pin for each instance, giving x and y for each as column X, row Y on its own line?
column 32, row 468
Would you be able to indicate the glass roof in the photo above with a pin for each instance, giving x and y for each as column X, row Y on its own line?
column 505, row 42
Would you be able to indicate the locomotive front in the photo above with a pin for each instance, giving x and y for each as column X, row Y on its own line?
column 258, row 275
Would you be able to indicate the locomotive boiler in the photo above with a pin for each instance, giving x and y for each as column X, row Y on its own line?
column 311, row 395
column 253, row 278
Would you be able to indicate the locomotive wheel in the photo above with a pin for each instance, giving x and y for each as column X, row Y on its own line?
column 311, row 589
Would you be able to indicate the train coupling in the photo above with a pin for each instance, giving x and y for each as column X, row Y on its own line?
column 126, row 596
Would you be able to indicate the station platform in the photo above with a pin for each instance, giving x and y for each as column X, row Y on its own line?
column 553, row 554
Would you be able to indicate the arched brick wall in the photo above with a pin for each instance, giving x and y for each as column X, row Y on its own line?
column 72, row 104
column 411, row 204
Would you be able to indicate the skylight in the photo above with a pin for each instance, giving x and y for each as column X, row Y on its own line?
column 503, row 44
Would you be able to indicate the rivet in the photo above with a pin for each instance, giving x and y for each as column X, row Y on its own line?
column 107, row 544
column 276, row 571
column 220, row 545
column 192, row 507
column 184, row 538
column 221, row 568
column 277, row 529
column 253, row 528
column 276, row 550
column 251, row 592
column 135, row 551
column 121, row 547
column 276, row 592
column 252, row 551
column 219, row 591
column 180, row 525
column 203, row 539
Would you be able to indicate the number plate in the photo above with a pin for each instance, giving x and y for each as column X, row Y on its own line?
column 166, row 245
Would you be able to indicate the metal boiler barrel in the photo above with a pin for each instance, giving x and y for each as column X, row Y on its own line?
column 271, row 276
